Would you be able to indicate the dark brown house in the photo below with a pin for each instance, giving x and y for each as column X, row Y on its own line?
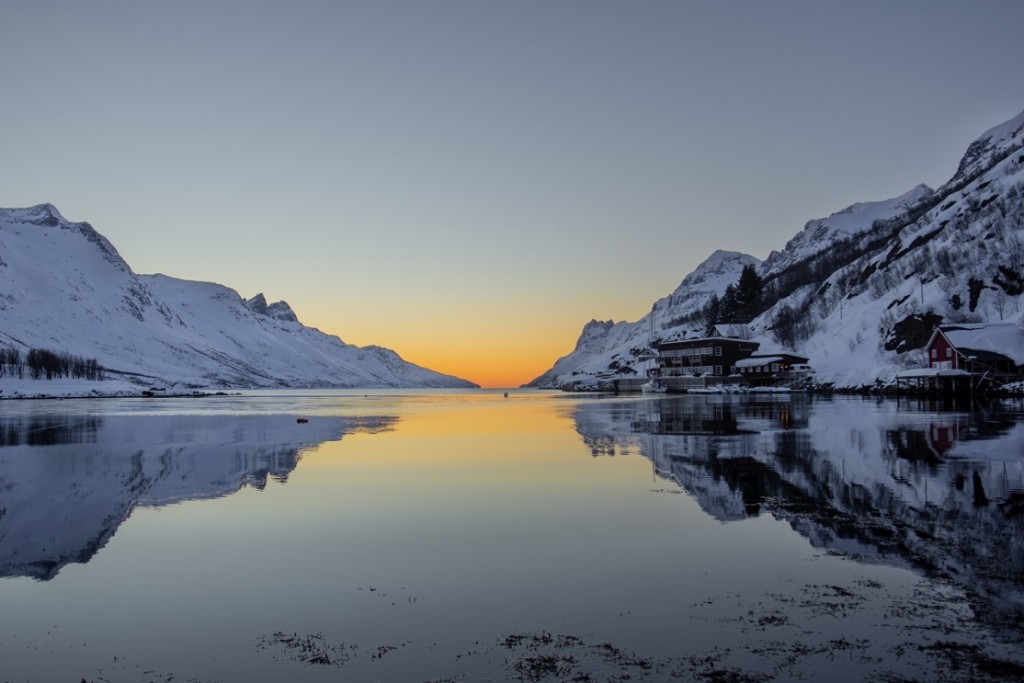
column 704, row 357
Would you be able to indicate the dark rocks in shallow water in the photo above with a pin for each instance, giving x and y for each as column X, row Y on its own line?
column 310, row 648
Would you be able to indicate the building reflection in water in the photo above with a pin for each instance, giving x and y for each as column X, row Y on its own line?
column 883, row 482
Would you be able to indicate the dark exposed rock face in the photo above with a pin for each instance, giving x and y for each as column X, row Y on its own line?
column 913, row 332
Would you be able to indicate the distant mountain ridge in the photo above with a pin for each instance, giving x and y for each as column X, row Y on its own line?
column 846, row 289
column 64, row 287
column 855, row 219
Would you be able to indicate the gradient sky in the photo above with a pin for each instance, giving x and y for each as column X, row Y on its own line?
column 470, row 182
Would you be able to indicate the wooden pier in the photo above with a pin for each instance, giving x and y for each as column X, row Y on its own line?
column 936, row 381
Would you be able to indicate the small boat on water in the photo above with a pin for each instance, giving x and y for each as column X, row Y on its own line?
column 655, row 386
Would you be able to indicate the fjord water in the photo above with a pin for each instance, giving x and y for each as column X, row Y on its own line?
column 429, row 536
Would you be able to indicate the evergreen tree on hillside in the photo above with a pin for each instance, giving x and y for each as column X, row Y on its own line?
column 730, row 305
column 712, row 312
column 748, row 294
column 740, row 302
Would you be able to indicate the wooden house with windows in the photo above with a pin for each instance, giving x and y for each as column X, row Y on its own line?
column 703, row 357
column 772, row 369
column 693, row 364
column 994, row 350
column 966, row 358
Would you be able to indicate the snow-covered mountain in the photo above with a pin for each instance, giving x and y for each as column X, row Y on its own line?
column 856, row 291
column 858, row 218
column 64, row 288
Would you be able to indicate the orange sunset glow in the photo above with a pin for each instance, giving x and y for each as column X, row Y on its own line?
column 493, row 357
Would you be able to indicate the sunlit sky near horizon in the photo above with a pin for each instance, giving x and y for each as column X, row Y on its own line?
column 470, row 182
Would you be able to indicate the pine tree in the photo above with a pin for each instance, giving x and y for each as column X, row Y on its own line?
column 730, row 305
column 712, row 315
column 748, row 294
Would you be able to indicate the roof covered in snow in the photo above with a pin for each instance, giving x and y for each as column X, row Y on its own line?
column 694, row 341
column 756, row 362
column 1006, row 339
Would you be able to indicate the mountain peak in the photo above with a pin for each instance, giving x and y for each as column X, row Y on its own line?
column 258, row 304
column 720, row 255
column 987, row 146
column 279, row 310
column 45, row 215
column 718, row 270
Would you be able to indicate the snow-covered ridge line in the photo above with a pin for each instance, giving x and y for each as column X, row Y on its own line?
column 66, row 289
column 845, row 286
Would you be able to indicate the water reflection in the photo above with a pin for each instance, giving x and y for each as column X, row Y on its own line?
column 939, row 492
column 67, row 482
column 479, row 540
column 48, row 430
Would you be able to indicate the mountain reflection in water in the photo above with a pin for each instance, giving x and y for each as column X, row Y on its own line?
column 69, row 481
column 469, row 536
column 939, row 492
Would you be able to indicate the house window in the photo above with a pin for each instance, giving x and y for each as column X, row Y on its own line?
column 949, row 352
column 935, row 353
column 718, row 351
column 718, row 369
column 775, row 367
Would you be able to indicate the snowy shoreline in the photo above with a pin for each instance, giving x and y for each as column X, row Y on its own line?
column 14, row 389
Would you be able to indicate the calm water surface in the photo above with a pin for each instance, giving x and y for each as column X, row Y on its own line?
column 429, row 536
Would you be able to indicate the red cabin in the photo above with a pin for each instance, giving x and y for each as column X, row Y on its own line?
column 995, row 349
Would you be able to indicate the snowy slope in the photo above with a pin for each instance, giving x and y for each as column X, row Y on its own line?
column 988, row 146
column 65, row 288
column 821, row 233
column 856, row 281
